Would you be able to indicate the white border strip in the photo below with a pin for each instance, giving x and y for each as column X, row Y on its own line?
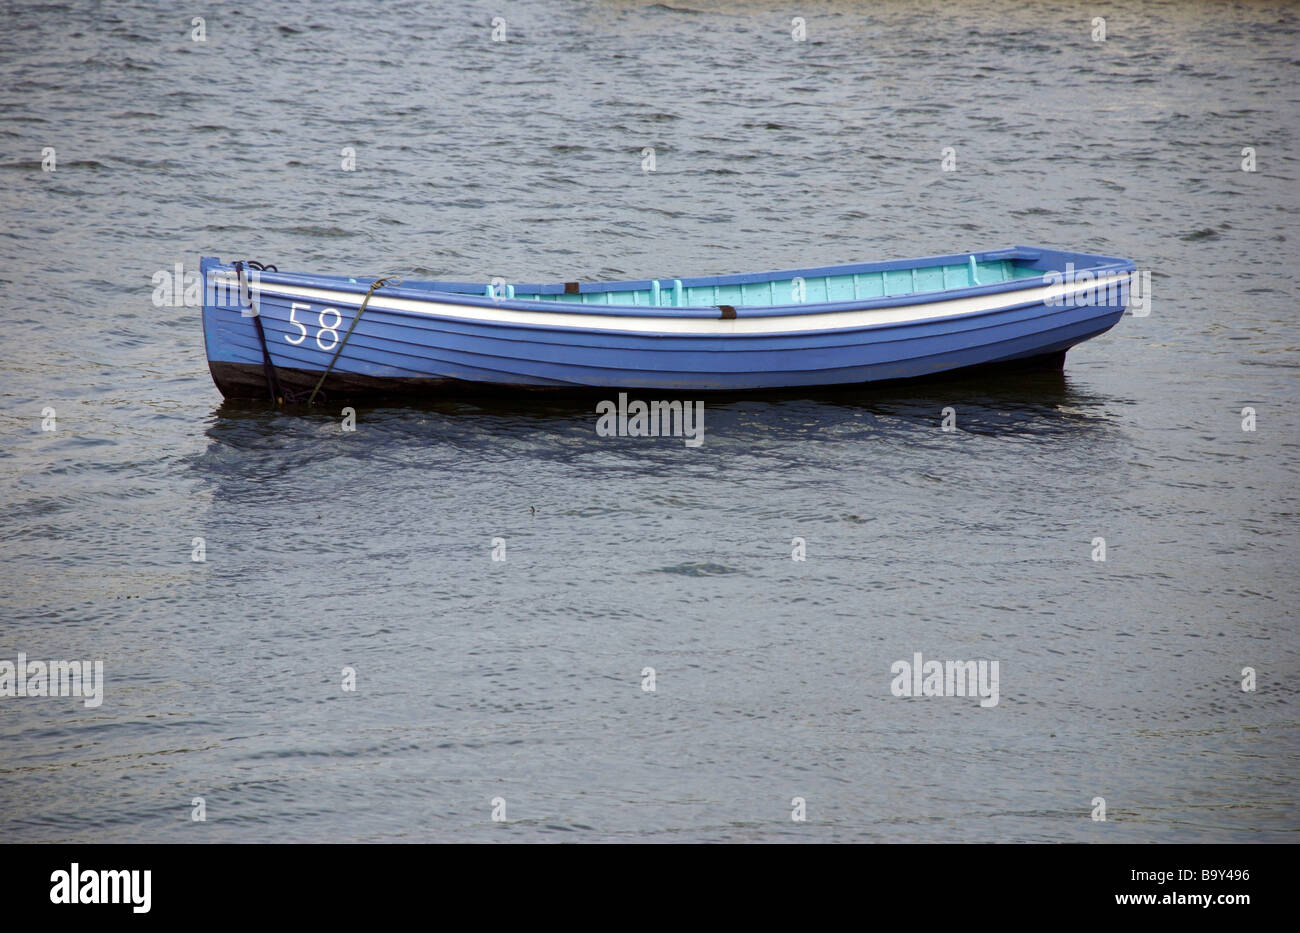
column 830, row 320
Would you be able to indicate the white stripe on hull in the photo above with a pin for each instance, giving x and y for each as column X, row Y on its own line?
column 753, row 326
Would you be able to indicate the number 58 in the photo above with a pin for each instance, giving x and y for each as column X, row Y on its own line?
column 322, row 327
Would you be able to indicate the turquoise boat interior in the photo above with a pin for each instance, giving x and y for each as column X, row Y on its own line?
column 811, row 288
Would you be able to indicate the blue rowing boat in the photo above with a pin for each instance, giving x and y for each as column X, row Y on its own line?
column 297, row 336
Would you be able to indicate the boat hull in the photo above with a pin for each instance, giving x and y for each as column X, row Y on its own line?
column 432, row 343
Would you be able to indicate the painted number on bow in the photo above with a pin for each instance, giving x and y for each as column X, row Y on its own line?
column 324, row 331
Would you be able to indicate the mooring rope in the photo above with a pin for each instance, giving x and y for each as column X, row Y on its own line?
column 272, row 381
column 376, row 284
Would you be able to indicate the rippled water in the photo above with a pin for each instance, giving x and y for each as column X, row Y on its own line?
column 522, row 679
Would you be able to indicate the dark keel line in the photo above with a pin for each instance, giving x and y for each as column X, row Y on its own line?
column 246, row 382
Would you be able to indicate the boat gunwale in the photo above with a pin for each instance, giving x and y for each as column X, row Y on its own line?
column 1088, row 263
column 730, row 332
